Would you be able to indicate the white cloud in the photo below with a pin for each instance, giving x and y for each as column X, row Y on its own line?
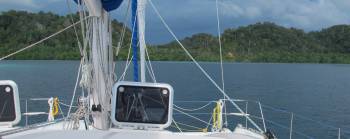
column 193, row 16
column 308, row 14
column 253, row 12
column 25, row 3
column 233, row 9
column 28, row 4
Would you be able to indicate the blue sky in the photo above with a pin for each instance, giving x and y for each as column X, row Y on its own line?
column 187, row 17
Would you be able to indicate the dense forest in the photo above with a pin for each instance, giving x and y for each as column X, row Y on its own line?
column 260, row 42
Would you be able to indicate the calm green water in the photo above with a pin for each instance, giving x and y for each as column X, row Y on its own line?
column 318, row 91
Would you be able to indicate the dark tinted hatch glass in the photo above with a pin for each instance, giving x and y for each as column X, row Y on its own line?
column 7, row 105
column 142, row 104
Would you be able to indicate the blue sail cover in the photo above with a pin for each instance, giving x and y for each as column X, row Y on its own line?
column 134, row 39
column 108, row 5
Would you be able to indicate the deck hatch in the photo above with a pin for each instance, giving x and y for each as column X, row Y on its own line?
column 9, row 103
column 142, row 104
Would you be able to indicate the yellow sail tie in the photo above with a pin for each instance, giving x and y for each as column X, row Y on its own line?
column 216, row 116
column 55, row 106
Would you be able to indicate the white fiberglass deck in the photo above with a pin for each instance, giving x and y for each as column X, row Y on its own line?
column 56, row 131
column 111, row 134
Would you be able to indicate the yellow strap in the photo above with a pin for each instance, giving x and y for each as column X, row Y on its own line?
column 216, row 113
column 55, row 106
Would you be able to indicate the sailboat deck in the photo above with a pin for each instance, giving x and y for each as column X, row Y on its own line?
column 112, row 134
column 56, row 131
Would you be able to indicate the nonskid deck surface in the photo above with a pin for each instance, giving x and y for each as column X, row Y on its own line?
column 56, row 131
column 113, row 134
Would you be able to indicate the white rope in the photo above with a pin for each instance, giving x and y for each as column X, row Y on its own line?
column 150, row 67
column 75, row 88
column 75, row 117
column 191, row 116
column 34, row 44
column 85, row 75
column 189, row 125
column 67, row 105
column 125, row 70
column 220, row 45
column 121, row 40
column 221, row 63
column 59, row 106
column 98, row 54
column 75, row 30
column 149, row 72
column 82, row 15
column 192, row 101
column 177, row 126
column 211, row 118
column 200, row 67
column 128, row 61
column 194, row 109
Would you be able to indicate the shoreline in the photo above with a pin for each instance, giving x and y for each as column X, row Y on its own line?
column 206, row 62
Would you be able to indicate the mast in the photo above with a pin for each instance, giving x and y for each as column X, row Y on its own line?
column 138, row 37
column 97, row 61
column 141, row 6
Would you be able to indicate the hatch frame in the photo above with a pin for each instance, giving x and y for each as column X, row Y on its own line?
column 142, row 126
column 16, row 103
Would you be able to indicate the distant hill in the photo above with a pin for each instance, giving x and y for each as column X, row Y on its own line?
column 260, row 42
column 19, row 29
column 268, row 42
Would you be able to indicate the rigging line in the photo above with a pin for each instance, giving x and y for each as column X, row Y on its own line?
column 75, row 30
column 121, row 39
column 192, row 101
column 300, row 116
column 192, row 116
column 317, row 122
column 283, row 126
column 34, row 44
column 127, row 63
column 189, row 125
column 61, row 111
column 177, row 126
column 84, row 26
column 75, row 89
column 220, row 45
column 149, row 72
column 150, row 65
column 67, row 105
column 211, row 118
column 194, row 109
column 122, row 77
column 201, row 68
column 221, row 61
column 129, row 52
column 4, row 108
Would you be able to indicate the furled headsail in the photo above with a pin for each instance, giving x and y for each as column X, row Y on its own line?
column 97, row 63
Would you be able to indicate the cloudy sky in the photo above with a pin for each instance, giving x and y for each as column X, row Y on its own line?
column 187, row 17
